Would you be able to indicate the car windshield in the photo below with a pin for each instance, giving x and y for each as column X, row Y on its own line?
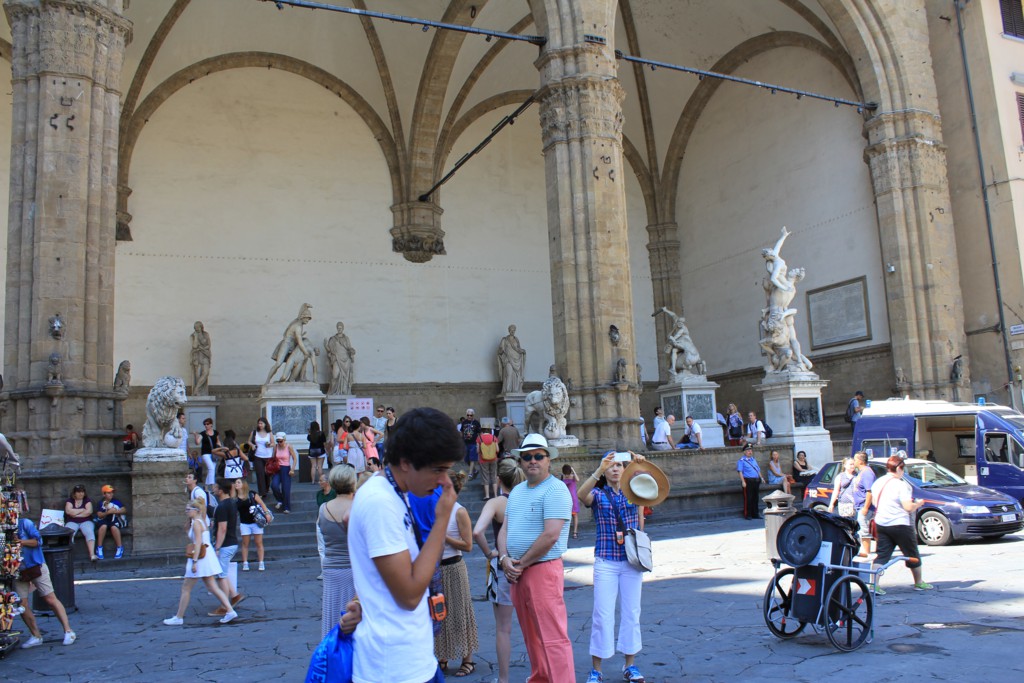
column 1014, row 418
column 929, row 475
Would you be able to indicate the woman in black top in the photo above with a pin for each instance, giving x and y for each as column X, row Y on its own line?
column 317, row 451
column 208, row 440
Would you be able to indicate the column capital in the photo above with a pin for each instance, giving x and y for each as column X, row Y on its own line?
column 581, row 108
column 417, row 233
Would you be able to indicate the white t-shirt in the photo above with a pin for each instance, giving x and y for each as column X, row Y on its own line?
column 693, row 431
column 755, row 429
column 392, row 644
column 889, row 503
column 661, row 432
column 263, row 448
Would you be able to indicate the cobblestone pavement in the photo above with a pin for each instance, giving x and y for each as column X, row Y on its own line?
column 702, row 621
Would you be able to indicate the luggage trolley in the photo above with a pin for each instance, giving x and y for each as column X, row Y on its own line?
column 821, row 587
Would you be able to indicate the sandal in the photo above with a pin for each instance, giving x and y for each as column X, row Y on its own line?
column 466, row 669
column 443, row 665
column 575, row 534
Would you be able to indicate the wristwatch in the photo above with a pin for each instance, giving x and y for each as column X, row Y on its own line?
column 501, row 560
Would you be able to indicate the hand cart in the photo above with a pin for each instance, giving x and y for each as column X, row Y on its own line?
column 821, row 587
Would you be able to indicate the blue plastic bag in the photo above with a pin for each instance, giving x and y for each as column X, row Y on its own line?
column 332, row 659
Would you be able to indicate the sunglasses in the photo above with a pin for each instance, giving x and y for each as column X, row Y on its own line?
column 527, row 457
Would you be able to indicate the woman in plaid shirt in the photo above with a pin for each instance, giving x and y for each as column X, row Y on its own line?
column 613, row 575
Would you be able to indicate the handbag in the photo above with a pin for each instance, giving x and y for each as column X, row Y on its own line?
column 273, row 465
column 30, row 573
column 190, row 550
column 636, row 542
column 259, row 517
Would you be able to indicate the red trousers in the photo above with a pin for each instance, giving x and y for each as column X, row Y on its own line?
column 537, row 597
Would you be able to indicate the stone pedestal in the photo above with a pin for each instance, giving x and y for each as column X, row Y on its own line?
column 512, row 406
column 157, row 508
column 198, row 409
column 694, row 395
column 290, row 407
column 792, row 406
column 337, row 407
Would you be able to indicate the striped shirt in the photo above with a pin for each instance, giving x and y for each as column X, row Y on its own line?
column 527, row 509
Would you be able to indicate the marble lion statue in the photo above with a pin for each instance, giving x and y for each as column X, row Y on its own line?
column 547, row 407
column 165, row 399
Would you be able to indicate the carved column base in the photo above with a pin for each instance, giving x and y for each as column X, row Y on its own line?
column 417, row 234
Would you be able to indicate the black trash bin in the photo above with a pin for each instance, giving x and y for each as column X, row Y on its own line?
column 57, row 553
column 799, row 541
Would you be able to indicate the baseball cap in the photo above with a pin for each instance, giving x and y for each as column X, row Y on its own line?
column 107, row 488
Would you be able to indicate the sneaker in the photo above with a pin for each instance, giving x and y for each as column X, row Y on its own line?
column 229, row 617
column 877, row 590
column 219, row 612
column 119, row 553
column 245, row 566
column 99, row 553
column 237, row 599
column 278, row 506
column 923, row 586
column 632, row 674
column 174, row 621
column 69, row 637
column 595, row 677
column 262, row 567
column 32, row 642
column 319, row 577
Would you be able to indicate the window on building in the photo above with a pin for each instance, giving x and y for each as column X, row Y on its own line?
column 1013, row 17
column 1020, row 114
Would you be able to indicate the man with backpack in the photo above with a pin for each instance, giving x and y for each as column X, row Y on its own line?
column 854, row 408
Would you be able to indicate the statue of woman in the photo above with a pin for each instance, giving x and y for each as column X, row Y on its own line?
column 341, row 357
column 200, row 361
column 511, row 363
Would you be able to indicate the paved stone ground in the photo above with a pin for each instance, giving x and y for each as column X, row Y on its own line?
column 702, row 621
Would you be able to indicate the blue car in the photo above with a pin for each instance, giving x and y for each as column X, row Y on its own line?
column 954, row 510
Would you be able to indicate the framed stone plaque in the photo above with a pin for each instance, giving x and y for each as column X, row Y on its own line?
column 293, row 419
column 672, row 405
column 838, row 314
column 699, row 406
column 806, row 412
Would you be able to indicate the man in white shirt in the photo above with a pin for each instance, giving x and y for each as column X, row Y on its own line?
column 391, row 563
column 662, row 439
column 755, row 429
column 693, row 435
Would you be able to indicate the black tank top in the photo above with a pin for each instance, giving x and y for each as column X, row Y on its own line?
column 495, row 527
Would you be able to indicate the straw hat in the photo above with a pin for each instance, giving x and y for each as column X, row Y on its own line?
column 645, row 483
column 534, row 442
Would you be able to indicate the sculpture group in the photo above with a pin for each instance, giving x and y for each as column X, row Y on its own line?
column 778, row 330
column 683, row 357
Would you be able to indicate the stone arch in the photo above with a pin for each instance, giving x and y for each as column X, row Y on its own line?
column 242, row 60
column 698, row 101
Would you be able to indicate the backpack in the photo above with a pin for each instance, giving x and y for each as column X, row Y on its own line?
column 767, row 430
column 849, row 411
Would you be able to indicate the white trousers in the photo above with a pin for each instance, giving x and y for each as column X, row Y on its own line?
column 211, row 469
column 611, row 580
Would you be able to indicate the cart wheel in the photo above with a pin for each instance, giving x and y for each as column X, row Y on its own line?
column 849, row 610
column 778, row 606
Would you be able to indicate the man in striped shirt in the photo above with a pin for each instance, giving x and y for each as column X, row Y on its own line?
column 531, row 544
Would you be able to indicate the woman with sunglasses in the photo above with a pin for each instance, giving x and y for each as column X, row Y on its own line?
column 78, row 511
column 614, row 576
column 206, row 568
column 894, row 503
column 282, row 482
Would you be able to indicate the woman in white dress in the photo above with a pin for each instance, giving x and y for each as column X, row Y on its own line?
column 355, row 440
column 206, row 568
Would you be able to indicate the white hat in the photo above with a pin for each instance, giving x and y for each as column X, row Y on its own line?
column 534, row 441
column 280, row 436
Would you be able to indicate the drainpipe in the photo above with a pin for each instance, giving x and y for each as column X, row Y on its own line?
column 957, row 4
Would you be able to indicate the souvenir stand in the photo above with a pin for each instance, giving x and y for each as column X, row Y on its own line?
column 10, row 561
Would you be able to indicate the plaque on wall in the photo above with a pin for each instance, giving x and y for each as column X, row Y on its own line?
column 838, row 314
column 293, row 419
column 673, row 405
column 699, row 407
column 806, row 412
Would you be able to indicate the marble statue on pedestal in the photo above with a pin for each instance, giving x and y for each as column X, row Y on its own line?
column 200, row 357
column 683, row 357
column 342, row 358
column 546, row 408
column 778, row 331
column 294, row 354
column 165, row 399
column 511, row 363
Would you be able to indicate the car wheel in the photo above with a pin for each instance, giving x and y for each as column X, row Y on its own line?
column 933, row 528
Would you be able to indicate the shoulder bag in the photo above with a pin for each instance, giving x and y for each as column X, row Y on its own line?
column 259, row 517
column 190, row 550
column 273, row 464
column 636, row 542
column 30, row 574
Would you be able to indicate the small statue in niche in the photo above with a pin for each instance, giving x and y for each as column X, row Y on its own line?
column 54, row 369
column 56, row 327
column 620, row 370
column 901, row 378
column 614, row 335
column 123, row 378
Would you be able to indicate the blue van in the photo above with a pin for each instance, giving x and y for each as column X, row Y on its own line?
column 984, row 444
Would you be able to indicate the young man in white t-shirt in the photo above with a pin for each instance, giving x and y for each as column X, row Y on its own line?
column 395, row 639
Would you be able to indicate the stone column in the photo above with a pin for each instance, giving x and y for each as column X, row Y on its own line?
column 581, row 123
column 66, row 64
column 666, row 281
column 926, row 324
